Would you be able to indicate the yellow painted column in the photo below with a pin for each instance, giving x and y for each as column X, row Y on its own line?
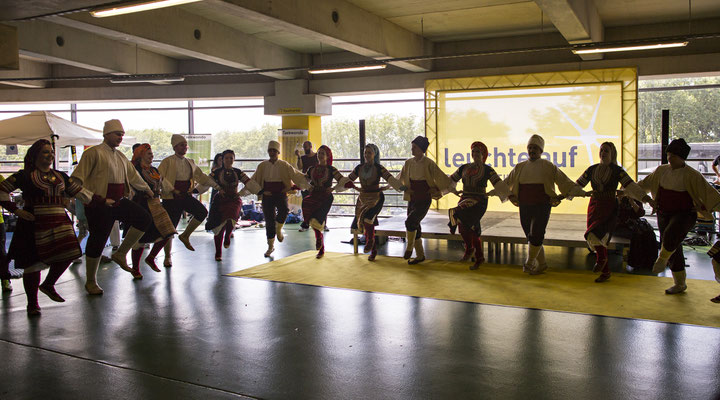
column 310, row 122
column 288, row 144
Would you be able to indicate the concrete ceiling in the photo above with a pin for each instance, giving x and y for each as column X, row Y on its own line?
column 281, row 38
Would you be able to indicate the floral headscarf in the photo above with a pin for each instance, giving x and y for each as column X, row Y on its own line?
column 483, row 149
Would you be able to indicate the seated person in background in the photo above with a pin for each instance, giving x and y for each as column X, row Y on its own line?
column 715, row 164
column 629, row 212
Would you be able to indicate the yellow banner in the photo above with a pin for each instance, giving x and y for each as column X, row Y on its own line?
column 573, row 119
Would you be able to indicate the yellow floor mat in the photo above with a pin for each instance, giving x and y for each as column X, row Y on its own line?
column 624, row 295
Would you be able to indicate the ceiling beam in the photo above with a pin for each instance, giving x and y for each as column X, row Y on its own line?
column 356, row 30
column 28, row 69
column 190, row 35
column 647, row 66
column 139, row 93
column 8, row 48
column 63, row 45
column 577, row 20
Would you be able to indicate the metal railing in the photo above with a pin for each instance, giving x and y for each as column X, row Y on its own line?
column 348, row 199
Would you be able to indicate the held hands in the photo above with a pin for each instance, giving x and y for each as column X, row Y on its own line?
column 26, row 215
column 514, row 200
column 651, row 202
column 589, row 193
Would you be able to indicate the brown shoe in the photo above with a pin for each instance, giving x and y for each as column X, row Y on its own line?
column 151, row 263
column 599, row 266
column 51, row 293
column 477, row 264
column 716, row 299
column 373, row 254
column 121, row 260
column 602, row 278
column 33, row 311
column 93, row 288
column 186, row 241
column 416, row 260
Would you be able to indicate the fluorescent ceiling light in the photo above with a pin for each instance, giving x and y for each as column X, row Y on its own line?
column 131, row 8
column 653, row 46
column 347, row 69
column 149, row 79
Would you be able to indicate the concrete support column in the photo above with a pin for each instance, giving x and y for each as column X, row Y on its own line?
column 312, row 123
column 288, row 143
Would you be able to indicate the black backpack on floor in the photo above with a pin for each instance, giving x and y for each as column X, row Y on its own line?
column 643, row 244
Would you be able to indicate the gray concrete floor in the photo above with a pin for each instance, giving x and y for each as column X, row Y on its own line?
column 191, row 332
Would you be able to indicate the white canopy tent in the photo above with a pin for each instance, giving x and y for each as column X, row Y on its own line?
column 26, row 129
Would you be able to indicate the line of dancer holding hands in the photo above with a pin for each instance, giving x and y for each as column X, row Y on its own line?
column 149, row 202
column 675, row 191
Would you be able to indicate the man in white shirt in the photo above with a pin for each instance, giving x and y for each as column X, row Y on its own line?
column 183, row 174
column 276, row 178
column 106, row 172
column 422, row 182
column 532, row 185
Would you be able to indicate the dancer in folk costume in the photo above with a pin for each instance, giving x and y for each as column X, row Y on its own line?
column 182, row 174
column 226, row 207
column 216, row 164
column 423, row 182
column 680, row 193
column 371, row 198
column 532, row 186
column 474, row 200
column 305, row 161
column 107, row 173
column 316, row 204
column 276, row 178
column 5, row 284
column 161, row 229
column 714, row 254
column 602, row 214
column 44, row 235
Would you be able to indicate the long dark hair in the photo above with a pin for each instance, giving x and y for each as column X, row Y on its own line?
column 217, row 161
column 32, row 154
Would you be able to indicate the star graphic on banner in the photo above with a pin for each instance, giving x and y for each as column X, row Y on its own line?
column 587, row 135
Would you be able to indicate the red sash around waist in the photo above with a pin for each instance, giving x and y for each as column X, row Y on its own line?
column 532, row 193
column 276, row 188
column 115, row 191
column 420, row 190
column 182, row 186
column 674, row 201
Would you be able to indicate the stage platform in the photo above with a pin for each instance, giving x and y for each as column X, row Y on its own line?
column 501, row 227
